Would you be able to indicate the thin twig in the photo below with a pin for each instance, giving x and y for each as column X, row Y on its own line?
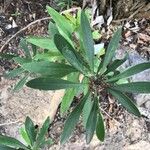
column 110, row 116
column 21, row 30
column 34, row 22
column 10, row 123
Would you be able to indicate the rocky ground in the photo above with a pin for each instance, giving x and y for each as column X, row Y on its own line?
column 124, row 131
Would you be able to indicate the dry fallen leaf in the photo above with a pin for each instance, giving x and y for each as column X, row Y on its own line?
column 144, row 37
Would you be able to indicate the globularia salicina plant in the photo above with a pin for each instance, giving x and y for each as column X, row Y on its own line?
column 69, row 62
column 34, row 138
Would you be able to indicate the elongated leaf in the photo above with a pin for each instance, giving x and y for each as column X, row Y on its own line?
column 52, row 29
column 100, row 129
column 6, row 148
column 47, row 142
column 34, row 49
column 112, row 47
column 30, row 129
column 87, row 40
column 69, row 93
column 68, row 52
column 25, row 48
column 11, row 142
column 51, row 84
column 21, row 83
column 91, row 122
column 49, row 68
column 125, row 101
column 73, row 119
column 25, row 136
column 7, row 56
column 116, row 63
column 86, row 110
column 86, row 81
column 14, row 73
column 43, row 42
column 21, row 60
column 50, row 56
column 67, row 100
column 131, row 71
column 134, row 87
column 42, row 132
column 61, row 21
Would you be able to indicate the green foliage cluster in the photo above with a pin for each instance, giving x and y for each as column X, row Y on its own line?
column 34, row 138
column 69, row 62
column 64, row 3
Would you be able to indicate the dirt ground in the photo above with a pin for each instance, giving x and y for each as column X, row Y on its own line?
column 124, row 131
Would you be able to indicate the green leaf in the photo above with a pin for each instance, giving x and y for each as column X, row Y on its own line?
column 47, row 142
column 42, row 132
column 52, row 29
column 34, row 49
column 7, row 56
column 73, row 119
column 96, row 35
column 61, row 22
column 67, row 100
column 87, row 40
column 50, row 56
column 51, row 84
column 6, row 148
column 21, row 83
column 21, row 60
column 100, row 129
column 30, row 129
column 15, row 72
column 43, row 42
column 91, row 122
column 25, row 48
column 11, row 142
column 112, row 47
column 115, row 64
column 134, row 87
column 24, row 135
column 86, row 110
column 69, row 93
column 49, row 68
column 125, row 101
column 86, row 81
column 69, row 52
column 131, row 71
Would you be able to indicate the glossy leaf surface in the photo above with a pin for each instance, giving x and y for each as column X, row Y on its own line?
column 48, row 68
column 134, row 87
column 30, row 129
column 72, row 120
column 100, row 129
column 125, row 101
column 68, row 52
column 112, row 47
column 91, row 122
column 131, row 71
column 11, row 142
column 51, row 84
column 87, row 40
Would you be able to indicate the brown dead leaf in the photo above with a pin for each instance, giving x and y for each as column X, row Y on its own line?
column 133, row 46
column 144, row 37
column 127, row 34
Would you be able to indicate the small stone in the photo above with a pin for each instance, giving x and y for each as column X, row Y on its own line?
column 141, row 145
column 147, row 104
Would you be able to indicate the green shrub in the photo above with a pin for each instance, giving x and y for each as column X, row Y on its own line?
column 69, row 56
column 34, row 138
